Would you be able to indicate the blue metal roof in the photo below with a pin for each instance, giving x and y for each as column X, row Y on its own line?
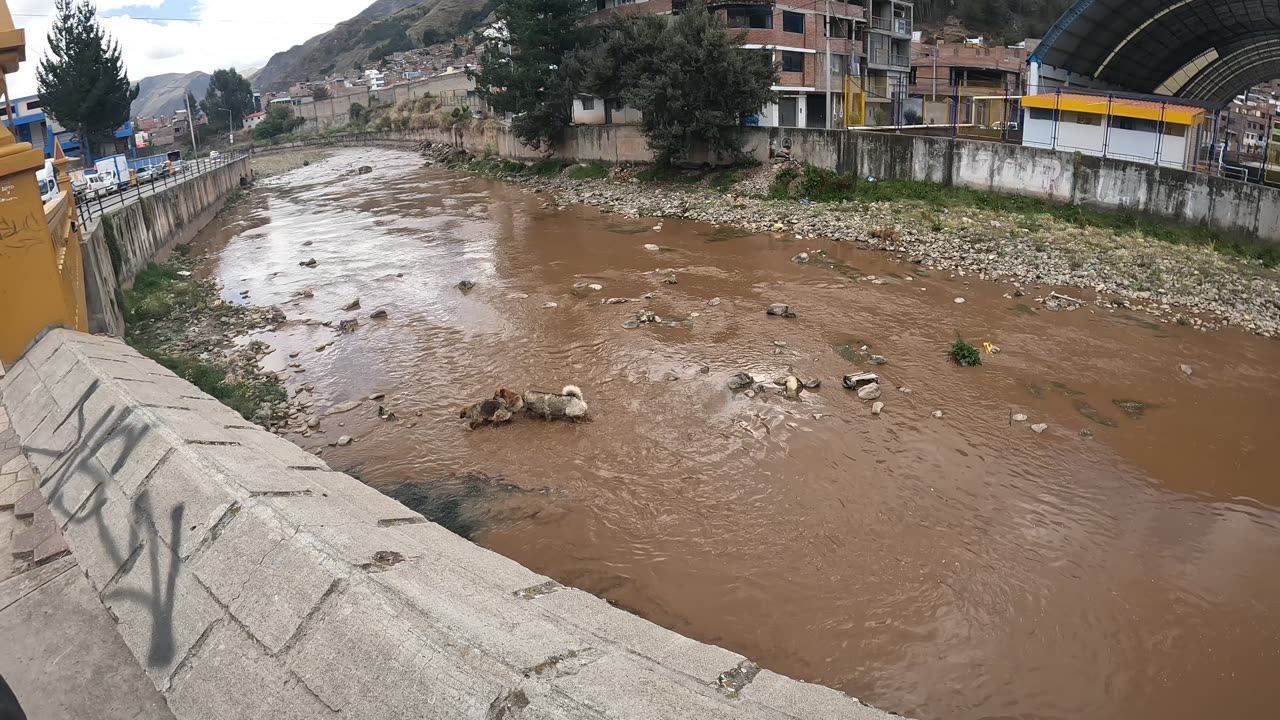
column 1140, row 44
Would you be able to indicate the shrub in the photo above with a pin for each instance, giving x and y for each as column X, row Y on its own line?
column 588, row 172
column 964, row 354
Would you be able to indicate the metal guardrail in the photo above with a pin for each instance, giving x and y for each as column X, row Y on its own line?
column 100, row 204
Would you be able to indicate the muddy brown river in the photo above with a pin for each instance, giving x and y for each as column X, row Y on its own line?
column 1124, row 564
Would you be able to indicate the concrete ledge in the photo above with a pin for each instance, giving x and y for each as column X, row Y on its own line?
column 251, row 581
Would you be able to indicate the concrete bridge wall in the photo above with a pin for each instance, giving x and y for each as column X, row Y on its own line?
column 144, row 230
column 1229, row 205
column 250, row 580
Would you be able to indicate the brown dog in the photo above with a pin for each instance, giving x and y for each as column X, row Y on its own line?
column 497, row 410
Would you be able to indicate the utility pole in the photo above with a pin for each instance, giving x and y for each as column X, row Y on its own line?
column 935, row 69
column 231, row 131
column 828, row 64
column 191, row 123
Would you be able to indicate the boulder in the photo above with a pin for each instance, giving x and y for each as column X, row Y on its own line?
column 466, row 285
column 741, row 381
column 378, row 314
column 869, row 392
column 780, row 310
column 310, row 262
column 877, row 408
column 353, row 305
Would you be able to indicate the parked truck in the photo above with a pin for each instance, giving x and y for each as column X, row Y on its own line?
column 47, row 179
column 118, row 167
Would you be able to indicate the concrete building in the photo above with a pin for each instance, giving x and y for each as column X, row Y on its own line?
column 856, row 53
column 1146, row 131
column 946, row 75
column 31, row 125
column 251, row 121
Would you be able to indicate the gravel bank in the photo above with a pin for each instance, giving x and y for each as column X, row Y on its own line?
column 1190, row 285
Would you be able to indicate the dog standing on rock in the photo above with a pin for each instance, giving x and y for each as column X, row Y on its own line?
column 565, row 405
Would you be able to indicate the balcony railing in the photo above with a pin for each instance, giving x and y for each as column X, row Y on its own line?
column 900, row 60
column 882, row 56
column 897, row 25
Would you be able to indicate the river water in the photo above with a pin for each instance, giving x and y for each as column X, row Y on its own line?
column 1120, row 565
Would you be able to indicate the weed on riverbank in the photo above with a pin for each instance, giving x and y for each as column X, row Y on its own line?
column 820, row 185
column 180, row 322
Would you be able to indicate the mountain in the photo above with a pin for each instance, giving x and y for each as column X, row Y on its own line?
column 164, row 94
column 1002, row 21
column 384, row 27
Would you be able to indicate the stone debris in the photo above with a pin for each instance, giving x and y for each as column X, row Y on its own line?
column 959, row 301
column 651, row 247
column 465, row 285
column 801, row 258
column 878, row 360
column 343, row 407
column 1019, row 418
column 936, row 414
column 869, row 392
column 378, row 314
column 307, row 243
column 1057, row 302
column 615, row 301
column 671, row 280
column 549, row 305
column 713, row 301
column 1039, row 428
column 1186, row 370
column 349, row 325
column 310, row 262
column 741, row 381
column 344, row 441
column 353, row 305
column 857, row 381
column 877, row 408
column 780, row 310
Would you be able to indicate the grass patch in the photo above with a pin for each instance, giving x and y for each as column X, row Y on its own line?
column 159, row 292
column 593, row 171
column 964, row 354
column 722, row 180
column 243, row 397
column 822, row 185
column 546, row 166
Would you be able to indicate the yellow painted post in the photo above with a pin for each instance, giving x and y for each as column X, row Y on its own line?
column 33, row 292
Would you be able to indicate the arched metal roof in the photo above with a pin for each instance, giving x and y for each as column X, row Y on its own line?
column 1209, row 50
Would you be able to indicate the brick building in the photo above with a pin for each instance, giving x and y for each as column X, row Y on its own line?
column 864, row 73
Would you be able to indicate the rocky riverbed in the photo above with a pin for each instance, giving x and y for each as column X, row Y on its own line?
column 1191, row 285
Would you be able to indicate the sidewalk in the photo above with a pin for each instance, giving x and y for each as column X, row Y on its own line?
column 62, row 655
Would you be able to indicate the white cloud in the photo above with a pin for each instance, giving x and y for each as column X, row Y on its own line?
column 227, row 33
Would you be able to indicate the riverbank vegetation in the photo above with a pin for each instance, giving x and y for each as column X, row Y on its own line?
column 809, row 183
column 180, row 322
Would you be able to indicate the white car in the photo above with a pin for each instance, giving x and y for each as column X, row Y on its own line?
column 99, row 184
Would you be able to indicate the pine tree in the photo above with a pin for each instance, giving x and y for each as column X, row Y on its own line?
column 535, row 80
column 83, row 82
column 690, row 79
column 228, row 91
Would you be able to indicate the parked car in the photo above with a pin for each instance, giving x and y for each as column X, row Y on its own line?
column 151, row 173
column 100, row 183
column 48, row 182
column 118, row 166
column 214, row 155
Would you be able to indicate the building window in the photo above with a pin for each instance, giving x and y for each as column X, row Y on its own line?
column 792, row 22
column 1088, row 119
column 792, row 61
column 1041, row 114
column 588, row 103
column 33, row 105
column 750, row 16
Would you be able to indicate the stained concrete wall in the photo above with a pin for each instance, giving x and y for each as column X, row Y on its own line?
column 144, row 229
column 1221, row 203
column 250, row 580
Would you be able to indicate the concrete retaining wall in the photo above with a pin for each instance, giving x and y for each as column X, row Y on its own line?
column 1229, row 205
column 250, row 580
column 145, row 229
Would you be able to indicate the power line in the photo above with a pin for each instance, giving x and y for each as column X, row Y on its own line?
column 190, row 20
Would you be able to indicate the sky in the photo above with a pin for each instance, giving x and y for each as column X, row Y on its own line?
column 215, row 33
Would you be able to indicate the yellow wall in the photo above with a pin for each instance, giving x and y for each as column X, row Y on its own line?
column 1175, row 114
column 41, row 282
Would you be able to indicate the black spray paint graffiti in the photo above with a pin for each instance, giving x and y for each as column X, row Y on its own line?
column 78, row 462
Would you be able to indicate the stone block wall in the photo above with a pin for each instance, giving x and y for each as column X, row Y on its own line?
column 250, row 580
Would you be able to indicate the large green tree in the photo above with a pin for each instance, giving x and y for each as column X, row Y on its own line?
column 83, row 82
column 535, row 79
column 691, row 80
column 228, row 100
